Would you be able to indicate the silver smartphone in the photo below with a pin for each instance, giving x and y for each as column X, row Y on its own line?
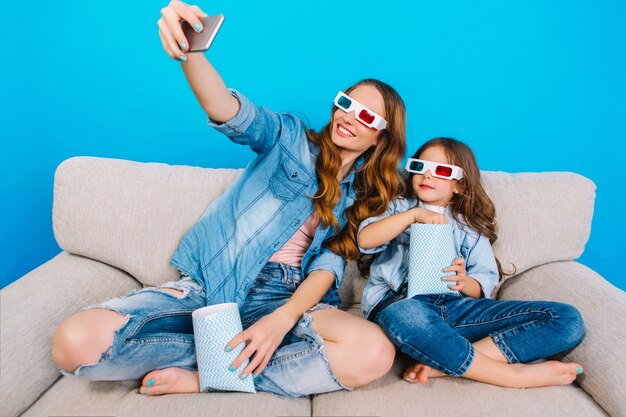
column 201, row 41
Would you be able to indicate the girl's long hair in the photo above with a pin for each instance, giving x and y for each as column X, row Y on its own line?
column 376, row 183
column 471, row 206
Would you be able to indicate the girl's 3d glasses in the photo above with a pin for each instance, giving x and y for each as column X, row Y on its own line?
column 437, row 169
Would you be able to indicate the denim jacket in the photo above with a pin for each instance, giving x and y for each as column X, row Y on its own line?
column 241, row 229
column 390, row 268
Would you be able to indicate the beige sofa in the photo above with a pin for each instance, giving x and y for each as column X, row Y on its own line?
column 118, row 222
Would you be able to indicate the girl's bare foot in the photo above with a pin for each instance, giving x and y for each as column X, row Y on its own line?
column 507, row 375
column 418, row 372
column 170, row 381
column 544, row 374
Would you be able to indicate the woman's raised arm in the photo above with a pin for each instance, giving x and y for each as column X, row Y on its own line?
column 205, row 81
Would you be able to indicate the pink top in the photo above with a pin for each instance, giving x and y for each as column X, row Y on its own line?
column 293, row 250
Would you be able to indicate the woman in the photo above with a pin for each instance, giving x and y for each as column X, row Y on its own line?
column 276, row 243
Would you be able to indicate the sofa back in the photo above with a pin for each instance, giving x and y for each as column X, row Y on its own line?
column 132, row 215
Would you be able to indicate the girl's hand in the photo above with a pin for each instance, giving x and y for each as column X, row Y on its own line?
column 429, row 217
column 458, row 266
column 170, row 30
column 263, row 338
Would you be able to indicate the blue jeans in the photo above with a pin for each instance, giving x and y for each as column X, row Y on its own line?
column 438, row 330
column 158, row 334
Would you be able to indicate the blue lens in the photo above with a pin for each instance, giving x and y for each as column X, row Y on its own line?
column 344, row 102
column 416, row 166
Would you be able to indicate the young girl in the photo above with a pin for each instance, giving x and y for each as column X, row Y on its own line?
column 275, row 242
column 471, row 335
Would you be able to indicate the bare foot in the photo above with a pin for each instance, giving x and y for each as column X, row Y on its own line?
column 544, row 374
column 418, row 372
column 170, row 381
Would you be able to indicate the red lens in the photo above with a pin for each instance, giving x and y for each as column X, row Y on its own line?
column 366, row 116
column 443, row 171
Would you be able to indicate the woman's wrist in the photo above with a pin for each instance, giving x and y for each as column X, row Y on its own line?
column 286, row 317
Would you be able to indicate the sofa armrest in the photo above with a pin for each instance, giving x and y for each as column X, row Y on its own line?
column 603, row 307
column 31, row 309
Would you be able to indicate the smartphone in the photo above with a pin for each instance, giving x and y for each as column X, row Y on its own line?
column 201, row 41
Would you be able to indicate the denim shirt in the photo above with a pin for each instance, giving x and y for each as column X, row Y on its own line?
column 241, row 229
column 390, row 268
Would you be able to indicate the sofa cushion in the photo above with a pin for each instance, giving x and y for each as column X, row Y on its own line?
column 133, row 215
column 73, row 396
column 542, row 217
column 391, row 396
column 603, row 308
column 57, row 289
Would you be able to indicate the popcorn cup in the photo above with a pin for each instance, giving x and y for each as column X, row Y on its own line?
column 431, row 249
column 213, row 327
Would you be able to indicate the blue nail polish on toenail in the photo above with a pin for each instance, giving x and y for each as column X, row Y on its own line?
column 244, row 376
column 227, row 349
column 579, row 371
column 150, row 382
column 144, row 391
column 255, row 375
column 232, row 369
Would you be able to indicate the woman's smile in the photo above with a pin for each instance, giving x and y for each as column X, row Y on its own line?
column 344, row 132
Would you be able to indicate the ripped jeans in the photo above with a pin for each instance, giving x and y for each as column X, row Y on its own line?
column 158, row 334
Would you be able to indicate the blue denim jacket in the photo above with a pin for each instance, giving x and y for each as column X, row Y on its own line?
column 241, row 229
column 390, row 268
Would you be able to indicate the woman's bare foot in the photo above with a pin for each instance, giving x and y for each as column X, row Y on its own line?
column 418, row 372
column 544, row 374
column 170, row 381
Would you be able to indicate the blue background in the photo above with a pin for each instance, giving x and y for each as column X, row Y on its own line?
column 529, row 85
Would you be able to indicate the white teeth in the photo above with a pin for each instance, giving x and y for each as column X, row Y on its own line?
column 345, row 131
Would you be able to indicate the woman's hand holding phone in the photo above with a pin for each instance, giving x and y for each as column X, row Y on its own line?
column 170, row 30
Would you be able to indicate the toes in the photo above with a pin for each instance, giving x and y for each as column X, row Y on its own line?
column 575, row 369
column 149, row 380
column 149, row 390
column 145, row 390
column 409, row 377
column 148, row 383
column 572, row 373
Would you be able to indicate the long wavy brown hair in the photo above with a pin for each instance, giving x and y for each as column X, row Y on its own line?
column 376, row 182
column 471, row 206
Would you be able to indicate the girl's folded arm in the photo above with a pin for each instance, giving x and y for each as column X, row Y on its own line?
column 383, row 231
